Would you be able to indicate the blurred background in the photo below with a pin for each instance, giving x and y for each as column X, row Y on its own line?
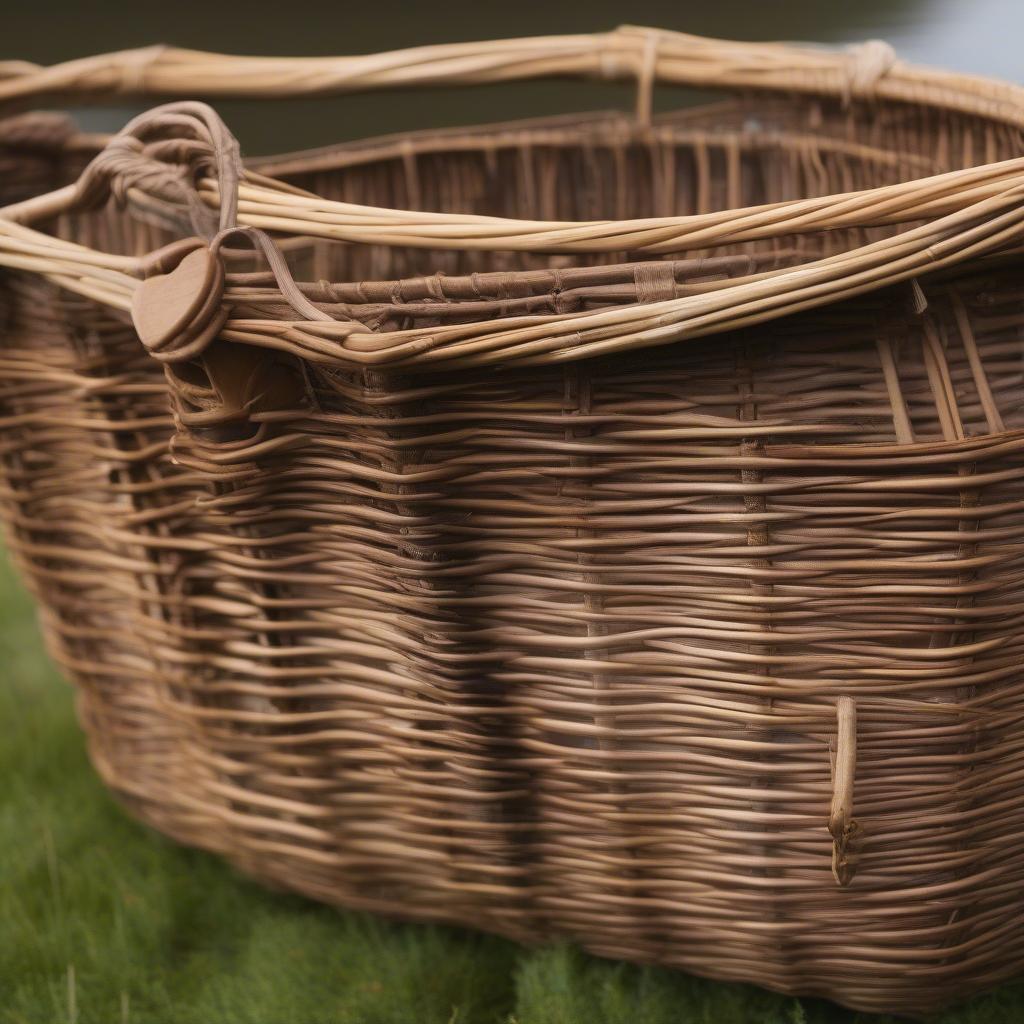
column 980, row 36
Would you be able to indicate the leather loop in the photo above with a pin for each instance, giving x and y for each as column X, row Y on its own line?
column 278, row 267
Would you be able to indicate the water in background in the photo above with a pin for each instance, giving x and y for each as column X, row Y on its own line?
column 982, row 36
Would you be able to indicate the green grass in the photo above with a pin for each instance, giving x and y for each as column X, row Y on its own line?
column 103, row 921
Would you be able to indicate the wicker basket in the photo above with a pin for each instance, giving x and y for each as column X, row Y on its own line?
column 630, row 549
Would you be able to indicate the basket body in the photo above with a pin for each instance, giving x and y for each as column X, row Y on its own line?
column 556, row 651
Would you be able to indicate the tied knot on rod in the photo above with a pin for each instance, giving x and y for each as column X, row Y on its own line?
column 160, row 157
column 133, row 68
column 866, row 65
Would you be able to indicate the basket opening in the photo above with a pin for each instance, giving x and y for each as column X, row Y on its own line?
column 873, row 374
column 742, row 152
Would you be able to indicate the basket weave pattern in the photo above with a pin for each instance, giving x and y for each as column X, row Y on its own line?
column 626, row 569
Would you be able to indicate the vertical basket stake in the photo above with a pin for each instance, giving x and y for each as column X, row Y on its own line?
column 645, row 78
column 841, row 823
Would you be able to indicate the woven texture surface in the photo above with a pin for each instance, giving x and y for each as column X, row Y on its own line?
column 557, row 650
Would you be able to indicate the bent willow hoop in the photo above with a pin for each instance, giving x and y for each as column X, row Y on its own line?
column 606, row 527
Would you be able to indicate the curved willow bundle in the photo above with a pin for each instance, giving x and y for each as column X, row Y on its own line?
column 604, row 527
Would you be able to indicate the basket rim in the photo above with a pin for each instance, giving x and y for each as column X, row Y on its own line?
column 592, row 126
column 966, row 213
column 982, row 217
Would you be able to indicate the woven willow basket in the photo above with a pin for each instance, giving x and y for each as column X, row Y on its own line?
column 607, row 527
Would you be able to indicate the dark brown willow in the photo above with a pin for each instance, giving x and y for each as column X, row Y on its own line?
column 607, row 527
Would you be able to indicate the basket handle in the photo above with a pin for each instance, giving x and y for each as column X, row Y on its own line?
column 628, row 52
column 645, row 55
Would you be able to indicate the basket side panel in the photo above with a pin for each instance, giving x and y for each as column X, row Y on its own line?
column 558, row 652
column 91, row 504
